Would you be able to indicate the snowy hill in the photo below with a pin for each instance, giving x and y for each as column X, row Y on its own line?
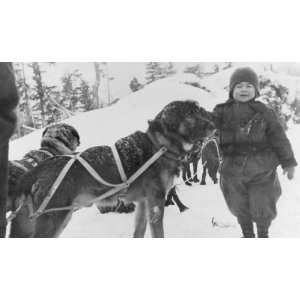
column 131, row 113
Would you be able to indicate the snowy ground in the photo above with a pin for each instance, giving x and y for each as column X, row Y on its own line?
column 205, row 203
column 105, row 126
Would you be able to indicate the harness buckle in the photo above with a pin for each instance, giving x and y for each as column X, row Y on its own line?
column 127, row 184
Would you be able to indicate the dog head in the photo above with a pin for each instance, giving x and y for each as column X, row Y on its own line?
column 61, row 133
column 183, row 123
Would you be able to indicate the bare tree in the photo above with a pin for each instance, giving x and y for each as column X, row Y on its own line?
column 37, row 77
column 96, row 87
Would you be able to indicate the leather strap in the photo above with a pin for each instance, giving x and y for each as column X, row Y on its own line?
column 118, row 163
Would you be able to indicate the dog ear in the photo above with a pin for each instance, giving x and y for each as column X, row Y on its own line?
column 155, row 126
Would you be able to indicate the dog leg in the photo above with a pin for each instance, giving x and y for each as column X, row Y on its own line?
column 170, row 197
column 203, row 180
column 140, row 223
column 64, row 224
column 155, row 214
column 195, row 167
column 22, row 226
column 179, row 204
column 52, row 224
column 184, row 171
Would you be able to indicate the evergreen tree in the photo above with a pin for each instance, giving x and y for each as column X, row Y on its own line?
column 197, row 69
column 86, row 96
column 70, row 94
column 38, row 95
column 44, row 99
column 274, row 95
column 158, row 70
column 216, row 68
column 154, row 71
column 170, row 69
column 25, row 121
column 135, row 85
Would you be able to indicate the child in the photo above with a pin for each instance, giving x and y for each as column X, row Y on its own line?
column 253, row 144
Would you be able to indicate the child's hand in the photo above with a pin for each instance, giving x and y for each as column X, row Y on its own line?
column 290, row 171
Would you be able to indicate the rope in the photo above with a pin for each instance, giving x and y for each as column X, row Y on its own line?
column 13, row 214
column 19, row 165
column 55, row 186
column 150, row 161
column 116, row 187
column 118, row 162
column 46, row 152
column 94, row 174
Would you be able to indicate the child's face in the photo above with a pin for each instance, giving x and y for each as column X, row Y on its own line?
column 244, row 91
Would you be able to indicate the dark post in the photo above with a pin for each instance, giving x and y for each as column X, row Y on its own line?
column 8, row 102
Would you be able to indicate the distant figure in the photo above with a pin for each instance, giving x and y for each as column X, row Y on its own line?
column 189, row 176
column 8, row 101
column 211, row 159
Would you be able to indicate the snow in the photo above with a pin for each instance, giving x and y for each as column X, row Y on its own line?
column 131, row 113
column 205, row 203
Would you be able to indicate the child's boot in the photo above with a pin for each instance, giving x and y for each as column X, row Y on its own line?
column 248, row 230
column 262, row 231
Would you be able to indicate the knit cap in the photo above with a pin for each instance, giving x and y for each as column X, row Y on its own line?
column 243, row 75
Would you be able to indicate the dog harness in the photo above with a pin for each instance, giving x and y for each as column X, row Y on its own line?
column 33, row 162
column 115, row 188
column 30, row 160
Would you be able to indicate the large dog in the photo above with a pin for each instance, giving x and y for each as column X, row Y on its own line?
column 177, row 127
column 57, row 139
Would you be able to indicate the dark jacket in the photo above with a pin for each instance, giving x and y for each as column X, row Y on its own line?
column 252, row 130
column 8, row 101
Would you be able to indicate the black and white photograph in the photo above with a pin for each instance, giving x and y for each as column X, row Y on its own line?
column 160, row 149
column 149, row 150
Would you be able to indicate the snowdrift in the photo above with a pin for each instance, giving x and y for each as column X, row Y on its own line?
column 131, row 113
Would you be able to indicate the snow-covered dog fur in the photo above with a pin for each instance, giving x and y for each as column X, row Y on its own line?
column 177, row 127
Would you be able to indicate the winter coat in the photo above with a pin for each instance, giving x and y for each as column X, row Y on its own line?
column 8, row 101
column 253, row 144
column 251, row 138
